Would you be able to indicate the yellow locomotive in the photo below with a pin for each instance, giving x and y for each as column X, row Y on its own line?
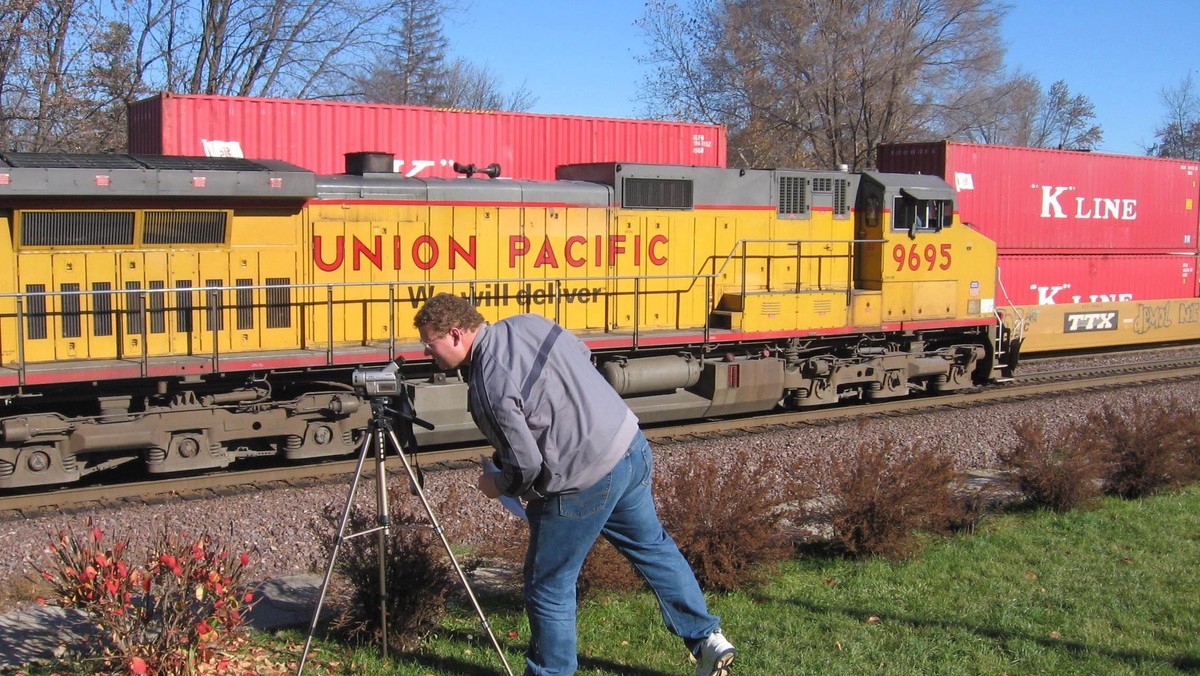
column 185, row 312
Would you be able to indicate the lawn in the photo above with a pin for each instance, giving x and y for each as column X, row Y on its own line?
column 1115, row 590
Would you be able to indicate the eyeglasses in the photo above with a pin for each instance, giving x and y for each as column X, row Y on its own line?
column 429, row 343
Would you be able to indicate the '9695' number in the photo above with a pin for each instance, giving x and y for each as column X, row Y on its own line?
column 916, row 257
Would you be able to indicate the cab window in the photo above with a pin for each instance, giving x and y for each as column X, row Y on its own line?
column 918, row 215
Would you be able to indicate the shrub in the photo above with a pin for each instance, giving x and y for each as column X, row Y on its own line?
column 729, row 518
column 1148, row 447
column 881, row 495
column 184, row 607
column 1059, row 470
column 419, row 577
column 606, row 569
column 1189, row 441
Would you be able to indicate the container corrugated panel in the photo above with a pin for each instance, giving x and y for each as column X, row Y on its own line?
column 1034, row 199
column 425, row 141
column 1050, row 279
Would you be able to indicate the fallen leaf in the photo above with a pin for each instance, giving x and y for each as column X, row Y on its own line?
column 873, row 619
column 838, row 644
column 1031, row 575
column 1055, row 634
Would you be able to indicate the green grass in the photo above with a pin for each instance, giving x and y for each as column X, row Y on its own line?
column 1110, row 591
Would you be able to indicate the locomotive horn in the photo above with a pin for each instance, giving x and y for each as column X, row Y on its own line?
column 491, row 171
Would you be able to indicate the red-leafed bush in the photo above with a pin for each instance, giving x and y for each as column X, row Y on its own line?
column 182, row 607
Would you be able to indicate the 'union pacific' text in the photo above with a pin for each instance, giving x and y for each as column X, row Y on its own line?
column 425, row 252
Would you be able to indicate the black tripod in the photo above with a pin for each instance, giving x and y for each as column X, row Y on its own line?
column 379, row 433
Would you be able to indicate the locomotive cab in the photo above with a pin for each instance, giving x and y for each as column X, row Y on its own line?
column 911, row 252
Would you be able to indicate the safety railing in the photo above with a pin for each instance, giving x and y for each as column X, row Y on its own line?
column 27, row 318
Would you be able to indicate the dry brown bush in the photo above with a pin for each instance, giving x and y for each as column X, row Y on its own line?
column 605, row 569
column 883, row 494
column 1149, row 446
column 1060, row 470
column 730, row 517
column 419, row 575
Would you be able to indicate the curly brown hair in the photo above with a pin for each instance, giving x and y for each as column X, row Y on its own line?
column 446, row 311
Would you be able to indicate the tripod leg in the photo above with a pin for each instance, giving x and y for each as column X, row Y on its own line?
column 381, row 503
column 437, row 528
column 372, row 435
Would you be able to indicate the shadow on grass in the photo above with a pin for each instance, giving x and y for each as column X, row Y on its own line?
column 1186, row 662
column 452, row 665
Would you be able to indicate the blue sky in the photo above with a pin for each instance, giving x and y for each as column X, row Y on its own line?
column 578, row 57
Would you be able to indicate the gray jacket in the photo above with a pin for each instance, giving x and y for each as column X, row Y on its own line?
column 558, row 425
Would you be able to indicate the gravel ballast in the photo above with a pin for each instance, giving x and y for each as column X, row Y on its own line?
column 278, row 524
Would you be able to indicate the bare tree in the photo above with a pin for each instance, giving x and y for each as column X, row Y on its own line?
column 819, row 81
column 1019, row 113
column 286, row 48
column 1064, row 121
column 15, row 29
column 47, row 65
column 997, row 112
column 472, row 86
column 415, row 68
column 68, row 68
column 1179, row 134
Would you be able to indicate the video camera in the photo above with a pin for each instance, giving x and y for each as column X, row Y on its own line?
column 384, row 382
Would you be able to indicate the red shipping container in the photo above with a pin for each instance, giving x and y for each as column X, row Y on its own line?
column 1050, row 279
column 1037, row 200
column 425, row 141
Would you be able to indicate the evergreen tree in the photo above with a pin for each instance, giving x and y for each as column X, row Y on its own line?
column 413, row 70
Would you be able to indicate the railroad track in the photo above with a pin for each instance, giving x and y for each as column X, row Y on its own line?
column 1039, row 384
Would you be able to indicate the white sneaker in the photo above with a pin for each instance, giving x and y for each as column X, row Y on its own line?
column 715, row 656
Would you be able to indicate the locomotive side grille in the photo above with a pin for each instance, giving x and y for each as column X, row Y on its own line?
column 656, row 193
column 158, row 314
column 279, row 301
column 76, row 228
column 102, row 322
column 71, row 312
column 245, row 305
column 213, row 304
column 184, row 227
column 841, row 203
column 183, row 306
column 36, row 323
column 792, row 198
column 133, row 316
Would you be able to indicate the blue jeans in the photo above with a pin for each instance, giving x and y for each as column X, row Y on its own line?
column 562, row 529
